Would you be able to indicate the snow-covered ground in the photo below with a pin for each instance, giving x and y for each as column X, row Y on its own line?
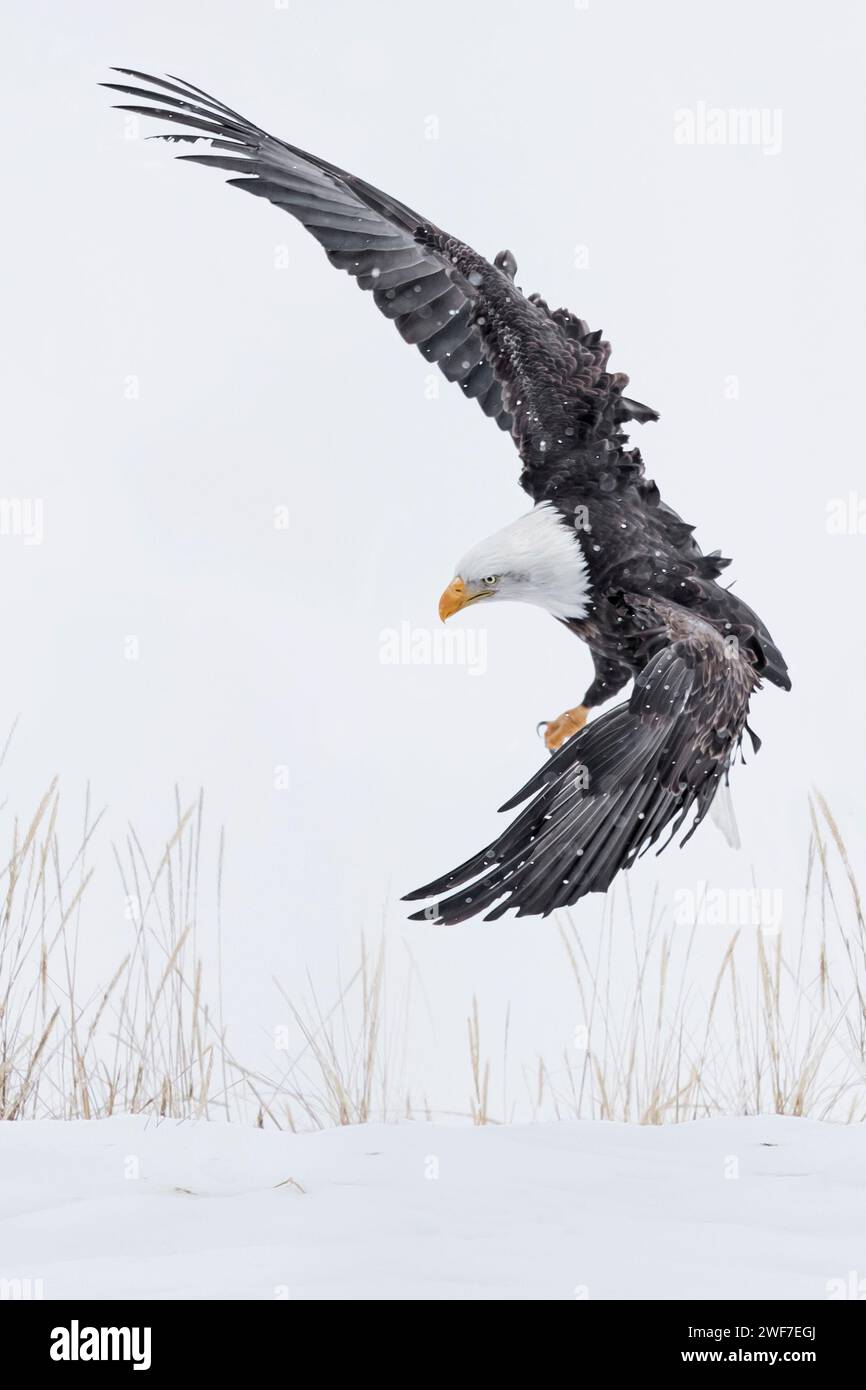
column 124, row 1208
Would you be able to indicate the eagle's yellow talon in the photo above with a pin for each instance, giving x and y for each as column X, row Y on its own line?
column 558, row 730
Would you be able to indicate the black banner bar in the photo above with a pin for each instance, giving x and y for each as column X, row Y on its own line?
column 83, row 1338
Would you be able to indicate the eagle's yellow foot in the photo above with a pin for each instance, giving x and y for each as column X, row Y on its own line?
column 558, row 730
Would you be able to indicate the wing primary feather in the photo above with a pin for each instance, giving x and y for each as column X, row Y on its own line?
column 643, row 768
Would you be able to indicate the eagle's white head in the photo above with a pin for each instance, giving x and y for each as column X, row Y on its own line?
column 535, row 559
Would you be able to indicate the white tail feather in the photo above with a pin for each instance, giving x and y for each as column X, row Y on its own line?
column 722, row 815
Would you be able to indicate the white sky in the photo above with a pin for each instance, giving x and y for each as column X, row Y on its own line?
column 261, row 386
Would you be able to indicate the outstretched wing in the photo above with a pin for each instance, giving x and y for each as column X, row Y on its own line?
column 615, row 787
column 541, row 375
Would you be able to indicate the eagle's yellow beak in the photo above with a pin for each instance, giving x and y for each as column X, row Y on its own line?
column 455, row 597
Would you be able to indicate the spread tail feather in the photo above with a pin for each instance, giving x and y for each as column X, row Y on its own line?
column 723, row 817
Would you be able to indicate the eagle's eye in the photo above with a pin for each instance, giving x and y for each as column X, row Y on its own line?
column 491, row 579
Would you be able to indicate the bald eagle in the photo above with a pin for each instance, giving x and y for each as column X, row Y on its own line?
column 599, row 550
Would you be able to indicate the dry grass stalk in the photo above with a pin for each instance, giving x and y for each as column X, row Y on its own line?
column 781, row 1026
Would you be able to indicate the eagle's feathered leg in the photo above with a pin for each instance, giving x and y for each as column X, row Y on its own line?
column 556, row 731
column 611, row 675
